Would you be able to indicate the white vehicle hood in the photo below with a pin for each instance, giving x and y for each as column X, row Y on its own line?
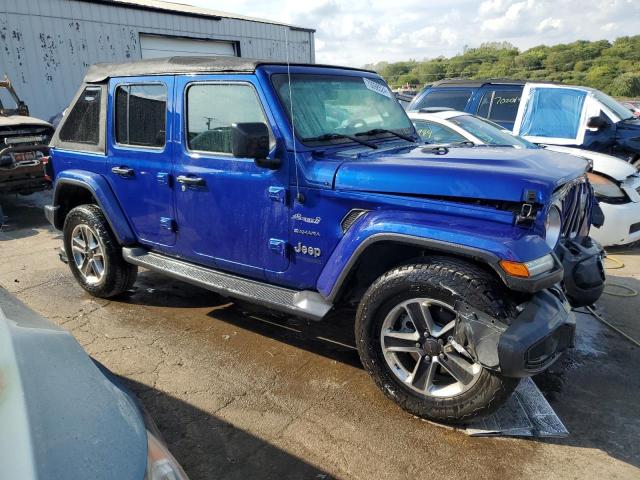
column 21, row 120
column 608, row 164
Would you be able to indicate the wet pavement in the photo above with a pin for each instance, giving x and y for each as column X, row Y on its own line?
column 240, row 394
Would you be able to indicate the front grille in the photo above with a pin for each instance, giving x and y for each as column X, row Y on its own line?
column 575, row 200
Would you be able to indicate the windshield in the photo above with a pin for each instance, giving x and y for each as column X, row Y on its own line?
column 616, row 107
column 489, row 132
column 332, row 106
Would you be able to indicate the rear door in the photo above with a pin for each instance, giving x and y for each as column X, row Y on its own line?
column 140, row 155
column 232, row 214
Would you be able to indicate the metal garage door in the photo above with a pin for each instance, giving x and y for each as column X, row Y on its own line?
column 157, row 46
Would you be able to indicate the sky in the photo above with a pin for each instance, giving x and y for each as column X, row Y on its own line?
column 359, row 32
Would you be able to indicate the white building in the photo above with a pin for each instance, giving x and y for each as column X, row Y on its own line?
column 47, row 45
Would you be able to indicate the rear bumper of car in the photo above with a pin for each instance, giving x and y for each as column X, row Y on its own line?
column 26, row 176
column 621, row 224
column 24, row 179
column 543, row 329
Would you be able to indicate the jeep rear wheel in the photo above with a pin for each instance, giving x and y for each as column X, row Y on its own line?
column 404, row 333
column 94, row 256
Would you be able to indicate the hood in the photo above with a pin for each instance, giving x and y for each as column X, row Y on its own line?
column 22, row 121
column 628, row 134
column 608, row 164
column 61, row 416
column 485, row 173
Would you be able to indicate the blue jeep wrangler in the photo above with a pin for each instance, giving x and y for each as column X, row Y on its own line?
column 303, row 188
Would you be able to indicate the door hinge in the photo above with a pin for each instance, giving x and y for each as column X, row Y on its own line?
column 279, row 194
column 278, row 246
column 168, row 223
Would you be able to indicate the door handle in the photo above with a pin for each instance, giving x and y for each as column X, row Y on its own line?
column 123, row 171
column 191, row 181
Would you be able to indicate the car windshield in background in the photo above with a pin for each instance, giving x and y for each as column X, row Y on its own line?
column 616, row 107
column 328, row 107
column 489, row 133
column 456, row 99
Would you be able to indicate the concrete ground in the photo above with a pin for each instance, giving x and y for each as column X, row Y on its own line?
column 242, row 397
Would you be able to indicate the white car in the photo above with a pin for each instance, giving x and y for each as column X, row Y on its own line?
column 616, row 183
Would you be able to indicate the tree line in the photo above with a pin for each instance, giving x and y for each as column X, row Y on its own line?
column 613, row 67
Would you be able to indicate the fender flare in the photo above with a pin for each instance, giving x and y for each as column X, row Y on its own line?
column 106, row 199
column 365, row 232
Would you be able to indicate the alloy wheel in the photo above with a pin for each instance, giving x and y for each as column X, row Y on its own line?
column 88, row 254
column 418, row 346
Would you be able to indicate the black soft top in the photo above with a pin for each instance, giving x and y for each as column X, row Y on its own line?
column 100, row 72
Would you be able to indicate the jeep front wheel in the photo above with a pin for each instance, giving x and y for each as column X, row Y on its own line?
column 94, row 255
column 404, row 332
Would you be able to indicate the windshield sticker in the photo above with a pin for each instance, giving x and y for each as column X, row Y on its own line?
column 376, row 87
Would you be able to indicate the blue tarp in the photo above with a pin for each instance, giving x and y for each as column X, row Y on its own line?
column 553, row 113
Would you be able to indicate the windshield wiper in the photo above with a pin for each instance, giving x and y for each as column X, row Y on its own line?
column 377, row 131
column 334, row 136
column 463, row 143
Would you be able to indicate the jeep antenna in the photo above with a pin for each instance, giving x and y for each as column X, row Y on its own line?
column 299, row 198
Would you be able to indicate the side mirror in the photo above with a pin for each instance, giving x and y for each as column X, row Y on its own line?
column 597, row 122
column 251, row 140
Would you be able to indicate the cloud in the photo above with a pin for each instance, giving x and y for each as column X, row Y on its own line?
column 357, row 32
column 549, row 24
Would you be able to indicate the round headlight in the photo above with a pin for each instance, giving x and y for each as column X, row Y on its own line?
column 553, row 226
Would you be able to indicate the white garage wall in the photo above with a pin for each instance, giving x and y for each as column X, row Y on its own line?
column 46, row 46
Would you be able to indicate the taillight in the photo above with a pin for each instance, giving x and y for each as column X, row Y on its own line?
column 48, row 168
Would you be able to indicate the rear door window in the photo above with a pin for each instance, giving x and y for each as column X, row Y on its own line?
column 456, row 99
column 140, row 115
column 83, row 121
column 500, row 105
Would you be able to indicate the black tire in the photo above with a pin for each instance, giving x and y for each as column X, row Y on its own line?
column 443, row 279
column 119, row 276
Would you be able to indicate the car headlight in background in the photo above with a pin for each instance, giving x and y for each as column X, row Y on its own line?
column 160, row 463
column 553, row 226
column 605, row 189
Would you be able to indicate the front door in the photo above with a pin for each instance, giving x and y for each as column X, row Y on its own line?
column 140, row 156
column 231, row 213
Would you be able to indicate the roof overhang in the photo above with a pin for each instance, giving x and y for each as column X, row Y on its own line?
column 174, row 8
column 101, row 72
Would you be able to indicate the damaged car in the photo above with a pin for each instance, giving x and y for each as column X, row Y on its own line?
column 305, row 188
column 65, row 416
column 543, row 113
column 24, row 146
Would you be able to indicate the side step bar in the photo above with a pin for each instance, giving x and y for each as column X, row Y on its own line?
column 305, row 303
